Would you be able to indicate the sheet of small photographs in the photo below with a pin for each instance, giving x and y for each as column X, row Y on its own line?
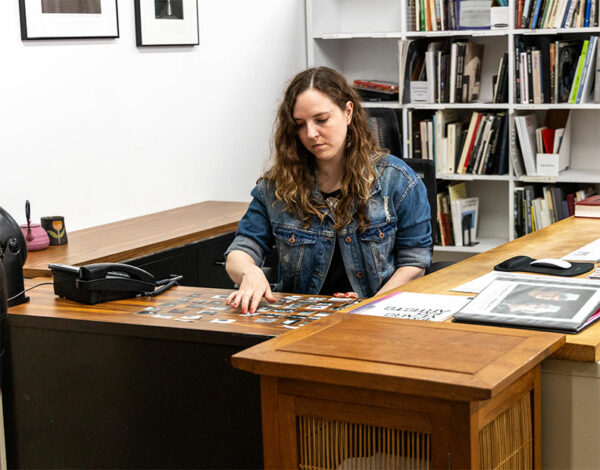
column 291, row 311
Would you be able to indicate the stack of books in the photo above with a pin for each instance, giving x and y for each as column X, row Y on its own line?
column 457, row 217
column 588, row 207
column 562, row 71
column 536, row 207
column 532, row 14
column 449, row 70
column 376, row 90
column 448, row 15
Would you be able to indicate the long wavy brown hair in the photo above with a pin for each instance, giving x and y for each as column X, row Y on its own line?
column 293, row 168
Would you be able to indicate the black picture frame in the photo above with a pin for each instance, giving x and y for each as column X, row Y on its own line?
column 166, row 23
column 36, row 24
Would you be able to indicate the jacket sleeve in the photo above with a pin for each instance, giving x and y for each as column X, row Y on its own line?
column 413, row 245
column 254, row 235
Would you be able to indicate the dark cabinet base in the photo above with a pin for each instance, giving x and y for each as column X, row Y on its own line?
column 201, row 263
column 89, row 400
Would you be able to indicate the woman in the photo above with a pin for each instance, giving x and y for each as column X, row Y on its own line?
column 344, row 216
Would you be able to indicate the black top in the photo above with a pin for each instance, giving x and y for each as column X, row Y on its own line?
column 336, row 279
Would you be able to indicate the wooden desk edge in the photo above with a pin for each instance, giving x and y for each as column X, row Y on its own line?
column 40, row 271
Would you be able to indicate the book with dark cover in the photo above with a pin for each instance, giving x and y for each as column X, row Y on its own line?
column 518, row 212
column 529, row 75
column 460, row 63
column 502, row 158
column 568, row 56
column 480, row 136
column 501, row 88
column 518, row 78
column 528, row 196
column 490, row 165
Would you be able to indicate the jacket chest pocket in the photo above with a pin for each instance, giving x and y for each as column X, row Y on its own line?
column 292, row 246
column 380, row 233
column 378, row 239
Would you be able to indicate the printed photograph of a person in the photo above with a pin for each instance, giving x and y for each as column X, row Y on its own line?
column 72, row 6
column 544, row 301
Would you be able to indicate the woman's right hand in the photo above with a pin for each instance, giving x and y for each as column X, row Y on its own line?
column 252, row 281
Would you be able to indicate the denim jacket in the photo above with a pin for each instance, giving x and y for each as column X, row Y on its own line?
column 398, row 234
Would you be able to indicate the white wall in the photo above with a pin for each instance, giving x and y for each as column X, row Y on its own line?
column 100, row 130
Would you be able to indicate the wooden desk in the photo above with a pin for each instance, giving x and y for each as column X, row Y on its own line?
column 99, row 386
column 139, row 236
column 571, row 378
column 552, row 242
column 353, row 391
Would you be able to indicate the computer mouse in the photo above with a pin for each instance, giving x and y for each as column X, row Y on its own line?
column 551, row 263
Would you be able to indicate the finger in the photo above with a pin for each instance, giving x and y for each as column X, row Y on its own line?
column 255, row 301
column 235, row 299
column 352, row 295
column 340, row 294
column 244, row 301
column 269, row 295
column 230, row 298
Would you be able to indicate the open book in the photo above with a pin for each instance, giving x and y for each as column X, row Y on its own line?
column 564, row 305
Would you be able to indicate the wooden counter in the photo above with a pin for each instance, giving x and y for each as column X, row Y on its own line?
column 554, row 241
column 467, row 395
column 132, row 238
column 103, row 386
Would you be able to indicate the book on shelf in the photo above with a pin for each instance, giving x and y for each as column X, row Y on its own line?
column 445, row 220
column 564, row 305
column 478, row 147
column 451, row 70
column 561, row 71
column 467, row 213
column 537, row 206
column 533, row 14
column 445, row 15
column 456, row 192
column 542, row 148
column 588, row 207
column 500, row 94
column 376, row 90
column 526, row 126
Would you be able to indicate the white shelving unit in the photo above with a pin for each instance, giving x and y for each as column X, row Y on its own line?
column 360, row 38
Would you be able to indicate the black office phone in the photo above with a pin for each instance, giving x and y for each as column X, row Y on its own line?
column 101, row 282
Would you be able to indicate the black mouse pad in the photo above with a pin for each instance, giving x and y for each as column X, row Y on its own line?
column 523, row 264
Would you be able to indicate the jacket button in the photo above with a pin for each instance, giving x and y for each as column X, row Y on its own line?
column 348, row 239
column 292, row 240
column 381, row 234
column 359, row 275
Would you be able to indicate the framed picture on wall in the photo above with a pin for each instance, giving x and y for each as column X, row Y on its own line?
column 166, row 22
column 68, row 19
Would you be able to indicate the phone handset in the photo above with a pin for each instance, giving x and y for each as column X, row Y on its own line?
column 115, row 277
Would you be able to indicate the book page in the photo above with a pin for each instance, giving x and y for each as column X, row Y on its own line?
column 589, row 252
column 414, row 306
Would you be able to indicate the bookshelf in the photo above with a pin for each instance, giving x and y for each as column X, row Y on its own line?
column 360, row 38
